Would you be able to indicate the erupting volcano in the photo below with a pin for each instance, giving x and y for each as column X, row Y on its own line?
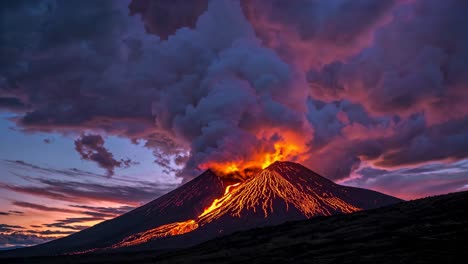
column 209, row 206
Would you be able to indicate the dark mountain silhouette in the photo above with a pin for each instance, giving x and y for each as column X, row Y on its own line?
column 207, row 207
column 183, row 203
column 429, row 230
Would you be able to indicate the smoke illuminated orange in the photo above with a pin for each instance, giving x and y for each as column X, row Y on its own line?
column 282, row 152
column 290, row 150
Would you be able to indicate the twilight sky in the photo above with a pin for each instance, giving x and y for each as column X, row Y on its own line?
column 105, row 105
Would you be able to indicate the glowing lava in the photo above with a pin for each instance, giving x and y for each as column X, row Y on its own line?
column 171, row 229
column 262, row 191
column 218, row 202
column 281, row 188
column 282, row 151
column 176, row 228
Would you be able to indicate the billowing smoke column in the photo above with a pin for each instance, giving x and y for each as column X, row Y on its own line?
column 235, row 101
column 337, row 85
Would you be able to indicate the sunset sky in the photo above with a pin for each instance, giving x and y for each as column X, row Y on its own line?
column 106, row 105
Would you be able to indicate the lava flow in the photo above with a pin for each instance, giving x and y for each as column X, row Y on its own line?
column 262, row 191
column 176, row 228
column 171, row 229
column 278, row 189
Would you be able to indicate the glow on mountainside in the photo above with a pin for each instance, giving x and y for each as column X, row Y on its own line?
column 257, row 195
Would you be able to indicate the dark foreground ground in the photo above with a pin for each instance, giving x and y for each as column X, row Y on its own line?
column 430, row 230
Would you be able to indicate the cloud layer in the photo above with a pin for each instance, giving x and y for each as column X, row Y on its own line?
column 362, row 83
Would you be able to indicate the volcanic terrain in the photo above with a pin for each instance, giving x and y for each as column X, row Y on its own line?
column 210, row 206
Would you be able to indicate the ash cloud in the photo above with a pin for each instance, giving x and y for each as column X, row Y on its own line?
column 173, row 93
column 337, row 22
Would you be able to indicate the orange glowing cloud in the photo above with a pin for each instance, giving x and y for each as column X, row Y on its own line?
column 289, row 147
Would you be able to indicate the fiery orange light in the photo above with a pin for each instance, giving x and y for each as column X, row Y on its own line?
column 255, row 194
column 231, row 168
column 292, row 149
column 282, row 152
column 176, row 228
column 218, row 202
column 171, row 229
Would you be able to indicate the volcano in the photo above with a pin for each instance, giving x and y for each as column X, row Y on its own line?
column 210, row 206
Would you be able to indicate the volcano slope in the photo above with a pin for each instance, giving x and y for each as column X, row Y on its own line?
column 208, row 207
column 429, row 230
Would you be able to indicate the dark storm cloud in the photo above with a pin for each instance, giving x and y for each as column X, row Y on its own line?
column 164, row 18
column 414, row 75
column 63, row 66
column 328, row 119
column 416, row 63
column 338, row 22
column 11, row 103
column 383, row 141
column 91, row 147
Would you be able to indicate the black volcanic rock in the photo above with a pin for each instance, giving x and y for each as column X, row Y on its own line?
column 284, row 191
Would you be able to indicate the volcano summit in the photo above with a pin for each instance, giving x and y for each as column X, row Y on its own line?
column 209, row 206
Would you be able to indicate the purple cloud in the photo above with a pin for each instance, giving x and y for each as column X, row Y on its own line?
column 91, row 147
